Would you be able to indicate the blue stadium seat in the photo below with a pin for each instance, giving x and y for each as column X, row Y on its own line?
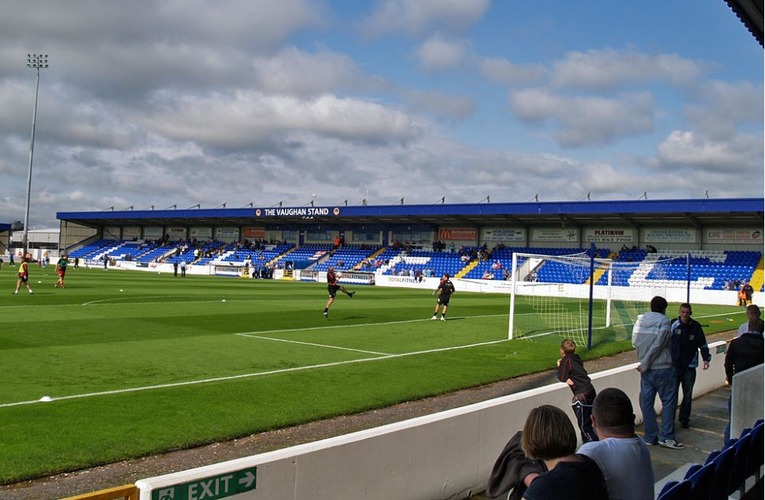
column 756, row 449
column 723, row 464
column 676, row 490
column 701, row 478
column 738, row 475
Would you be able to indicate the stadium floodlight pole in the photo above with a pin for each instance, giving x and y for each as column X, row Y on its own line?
column 36, row 61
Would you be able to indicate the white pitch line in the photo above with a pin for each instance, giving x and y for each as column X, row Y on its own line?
column 248, row 335
column 249, row 375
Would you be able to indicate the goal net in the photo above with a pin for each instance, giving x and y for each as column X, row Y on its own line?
column 586, row 298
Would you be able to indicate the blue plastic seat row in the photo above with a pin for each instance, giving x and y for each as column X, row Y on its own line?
column 724, row 472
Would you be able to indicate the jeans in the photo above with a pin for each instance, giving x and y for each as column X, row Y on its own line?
column 686, row 377
column 663, row 383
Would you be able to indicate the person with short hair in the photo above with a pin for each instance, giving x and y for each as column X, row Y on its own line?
column 743, row 352
column 548, row 435
column 687, row 342
column 61, row 265
column 621, row 454
column 445, row 290
column 651, row 337
column 333, row 287
column 571, row 371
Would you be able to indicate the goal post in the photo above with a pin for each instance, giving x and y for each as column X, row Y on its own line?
column 585, row 297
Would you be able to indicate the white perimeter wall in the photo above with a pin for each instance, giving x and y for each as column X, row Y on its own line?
column 440, row 456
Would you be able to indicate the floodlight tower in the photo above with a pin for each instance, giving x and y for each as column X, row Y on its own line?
column 37, row 62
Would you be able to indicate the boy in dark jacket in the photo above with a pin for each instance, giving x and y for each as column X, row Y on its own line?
column 571, row 371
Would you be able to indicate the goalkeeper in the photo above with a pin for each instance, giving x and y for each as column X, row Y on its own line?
column 445, row 290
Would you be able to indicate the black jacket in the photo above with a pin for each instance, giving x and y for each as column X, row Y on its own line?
column 572, row 367
column 687, row 340
column 743, row 353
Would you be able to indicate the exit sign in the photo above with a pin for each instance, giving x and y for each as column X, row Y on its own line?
column 210, row 488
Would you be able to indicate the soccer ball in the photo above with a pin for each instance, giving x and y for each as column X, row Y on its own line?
column 339, row 275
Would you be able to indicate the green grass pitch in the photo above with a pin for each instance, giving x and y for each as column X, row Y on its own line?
column 137, row 363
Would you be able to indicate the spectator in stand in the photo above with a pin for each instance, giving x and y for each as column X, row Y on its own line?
column 744, row 352
column 549, row 436
column 621, row 454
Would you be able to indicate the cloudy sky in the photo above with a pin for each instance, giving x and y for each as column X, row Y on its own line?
column 185, row 102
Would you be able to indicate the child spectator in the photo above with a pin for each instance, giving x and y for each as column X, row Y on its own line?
column 571, row 371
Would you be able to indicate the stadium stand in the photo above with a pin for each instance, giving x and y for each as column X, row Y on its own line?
column 709, row 269
column 733, row 470
column 348, row 257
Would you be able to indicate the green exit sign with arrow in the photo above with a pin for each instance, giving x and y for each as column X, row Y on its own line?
column 210, row 488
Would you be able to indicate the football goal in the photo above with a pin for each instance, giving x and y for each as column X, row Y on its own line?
column 585, row 297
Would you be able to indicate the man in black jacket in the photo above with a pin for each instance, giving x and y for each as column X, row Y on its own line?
column 744, row 352
column 687, row 341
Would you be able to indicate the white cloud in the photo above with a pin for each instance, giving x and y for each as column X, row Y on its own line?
column 441, row 105
column 437, row 54
column 146, row 23
column 206, row 101
column 582, row 121
column 694, row 151
column 613, row 69
column 422, row 16
column 503, row 72
column 295, row 72
column 249, row 119
column 721, row 108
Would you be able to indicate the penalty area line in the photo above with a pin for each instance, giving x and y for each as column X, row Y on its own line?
column 312, row 344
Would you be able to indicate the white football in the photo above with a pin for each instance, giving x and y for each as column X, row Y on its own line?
column 339, row 275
